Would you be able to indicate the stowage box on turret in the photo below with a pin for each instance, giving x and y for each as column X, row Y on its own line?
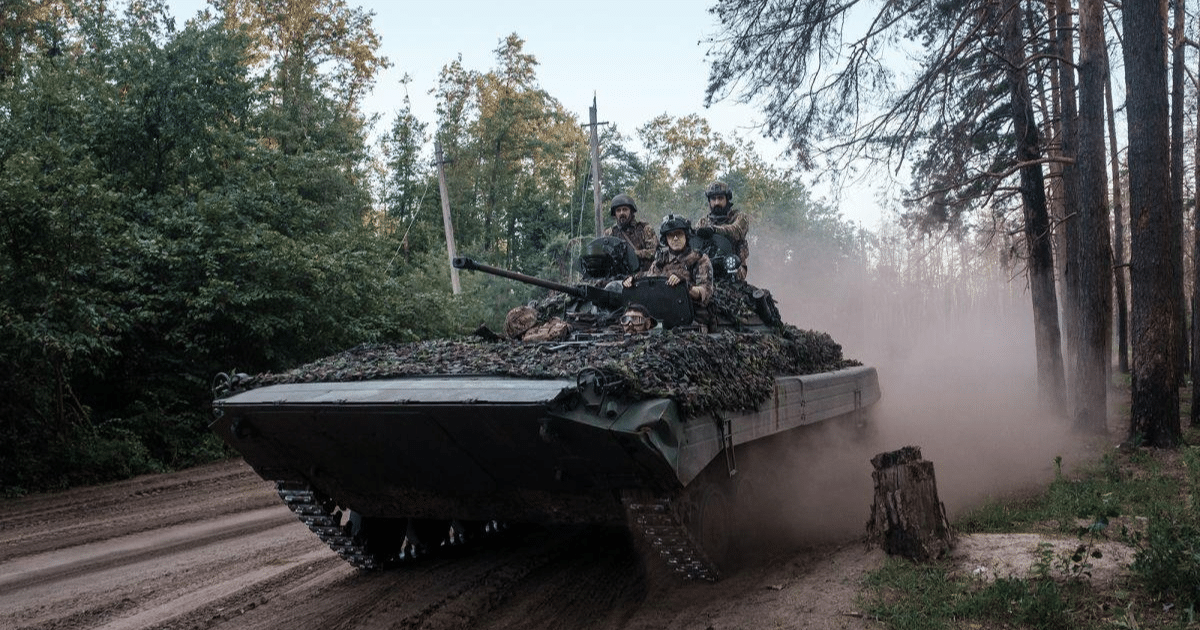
column 391, row 451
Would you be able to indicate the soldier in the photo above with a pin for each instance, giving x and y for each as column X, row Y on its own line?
column 637, row 319
column 638, row 233
column 519, row 320
column 522, row 323
column 678, row 262
column 724, row 219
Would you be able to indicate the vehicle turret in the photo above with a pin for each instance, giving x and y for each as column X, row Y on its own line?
column 667, row 304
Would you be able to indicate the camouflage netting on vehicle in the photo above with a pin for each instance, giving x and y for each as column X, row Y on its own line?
column 734, row 302
column 700, row 372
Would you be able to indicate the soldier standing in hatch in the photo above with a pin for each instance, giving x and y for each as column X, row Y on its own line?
column 637, row 319
column 678, row 262
column 724, row 219
column 638, row 234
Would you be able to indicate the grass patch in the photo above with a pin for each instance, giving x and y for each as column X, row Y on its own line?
column 909, row 596
column 1092, row 496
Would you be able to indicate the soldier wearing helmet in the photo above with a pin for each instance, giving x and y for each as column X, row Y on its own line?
column 678, row 262
column 638, row 234
column 724, row 219
column 637, row 319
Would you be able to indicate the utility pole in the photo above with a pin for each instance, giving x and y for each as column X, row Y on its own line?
column 454, row 285
column 596, row 188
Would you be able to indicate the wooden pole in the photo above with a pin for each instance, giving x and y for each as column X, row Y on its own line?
column 446, row 222
column 595, row 146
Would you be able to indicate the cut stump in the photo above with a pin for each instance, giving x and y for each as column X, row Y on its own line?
column 907, row 519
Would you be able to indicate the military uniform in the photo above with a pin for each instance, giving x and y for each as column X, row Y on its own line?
column 522, row 323
column 641, row 237
column 691, row 266
column 735, row 225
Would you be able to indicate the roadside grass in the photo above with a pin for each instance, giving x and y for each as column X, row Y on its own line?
column 1144, row 498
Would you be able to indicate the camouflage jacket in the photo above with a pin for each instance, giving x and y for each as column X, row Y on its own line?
column 641, row 236
column 693, row 267
column 734, row 226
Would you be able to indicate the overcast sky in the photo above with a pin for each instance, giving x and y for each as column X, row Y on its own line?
column 639, row 58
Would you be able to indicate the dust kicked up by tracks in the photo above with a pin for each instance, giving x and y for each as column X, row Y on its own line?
column 213, row 547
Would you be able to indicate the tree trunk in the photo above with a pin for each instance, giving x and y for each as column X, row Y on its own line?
column 1054, row 190
column 1154, row 413
column 1194, row 414
column 907, row 518
column 1068, row 141
column 1040, row 265
column 1177, row 44
column 1120, row 268
column 1094, row 254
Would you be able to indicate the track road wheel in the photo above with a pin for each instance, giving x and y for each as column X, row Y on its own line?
column 427, row 534
column 380, row 538
column 466, row 532
column 711, row 524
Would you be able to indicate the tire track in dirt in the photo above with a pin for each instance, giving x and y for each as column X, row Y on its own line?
column 82, row 515
column 457, row 590
column 214, row 549
column 148, row 588
column 32, row 571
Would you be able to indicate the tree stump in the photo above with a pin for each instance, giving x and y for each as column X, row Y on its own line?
column 907, row 518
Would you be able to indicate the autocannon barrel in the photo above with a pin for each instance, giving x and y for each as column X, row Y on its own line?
column 462, row 262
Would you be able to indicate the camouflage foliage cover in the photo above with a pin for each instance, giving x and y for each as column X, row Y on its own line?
column 730, row 370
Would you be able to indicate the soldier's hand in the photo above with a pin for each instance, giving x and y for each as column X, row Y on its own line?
column 694, row 293
column 674, row 280
column 705, row 232
column 628, row 282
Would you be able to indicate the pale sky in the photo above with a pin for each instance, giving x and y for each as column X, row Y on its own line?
column 639, row 58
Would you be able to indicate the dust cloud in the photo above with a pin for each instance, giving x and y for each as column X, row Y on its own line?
column 957, row 369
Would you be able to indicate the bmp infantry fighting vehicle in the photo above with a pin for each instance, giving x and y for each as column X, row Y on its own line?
column 391, row 451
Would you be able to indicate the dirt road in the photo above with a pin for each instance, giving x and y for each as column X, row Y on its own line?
column 214, row 547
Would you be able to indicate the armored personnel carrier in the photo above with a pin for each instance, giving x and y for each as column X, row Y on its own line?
column 390, row 451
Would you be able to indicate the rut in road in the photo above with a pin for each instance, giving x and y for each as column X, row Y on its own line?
column 215, row 548
column 198, row 549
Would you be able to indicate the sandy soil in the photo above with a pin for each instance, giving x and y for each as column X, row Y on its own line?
column 214, row 547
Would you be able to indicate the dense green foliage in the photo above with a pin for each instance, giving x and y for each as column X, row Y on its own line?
column 154, row 233
column 181, row 201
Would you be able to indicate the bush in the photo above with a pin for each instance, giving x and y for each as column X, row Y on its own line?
column 1167, row 562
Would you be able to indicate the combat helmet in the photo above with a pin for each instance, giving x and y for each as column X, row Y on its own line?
column 621, row 200
column 720, row 188
column 673, row 222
